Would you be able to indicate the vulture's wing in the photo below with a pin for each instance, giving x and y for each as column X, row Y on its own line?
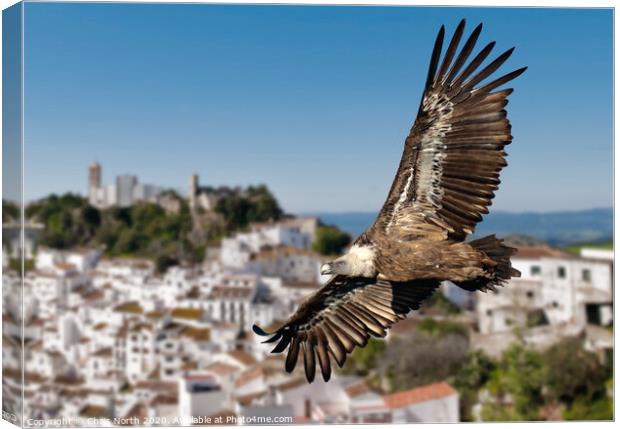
column 341, row 315
column 455, row 151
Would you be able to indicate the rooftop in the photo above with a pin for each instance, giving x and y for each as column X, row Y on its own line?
column 221, row 368
column 419, row 394
column 242, row 357
column 537, row 252
column 357, row 389
column 93, row 411
column 197, row 334
column 186, row 313
column 129, row 307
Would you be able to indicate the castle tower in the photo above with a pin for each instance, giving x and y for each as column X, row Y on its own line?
column 94, row 182
column 193, row 190
column 94, row 175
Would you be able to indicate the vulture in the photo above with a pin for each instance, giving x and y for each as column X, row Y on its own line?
column 445, row 182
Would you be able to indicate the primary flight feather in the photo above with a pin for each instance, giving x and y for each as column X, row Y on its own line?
column 446, row 179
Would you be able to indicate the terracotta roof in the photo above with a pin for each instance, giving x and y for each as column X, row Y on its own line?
column 222, row 415
column 164, row 399
column 92, row 295
column 188, row 366
column 129, row 307
column 93, row 411
column 186, row 313
column 155, row 314
column 68, row 380
column 221, row 368
column 419, row 394
column 104, row 352
column 242, row 357
column 140, row 326
column 28, row 376
column 139, row 410
column 197, row 334
column 357, row 389
column 249, row 375
column 99, row 326
column 169, row 387
column 65, row 266
column 537, row 252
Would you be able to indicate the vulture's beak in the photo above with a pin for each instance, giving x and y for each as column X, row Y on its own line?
column 326, row 268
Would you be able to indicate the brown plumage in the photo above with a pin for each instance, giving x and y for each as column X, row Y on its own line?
column 445, row 182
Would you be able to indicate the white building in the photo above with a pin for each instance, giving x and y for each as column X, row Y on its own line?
column 81, row 259
column 557, row 295
column 200, row 396
column 555, row 286
column 12, row 246
column 288, row 263
column 298, row 233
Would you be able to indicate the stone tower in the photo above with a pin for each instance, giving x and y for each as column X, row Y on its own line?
column 94, row 182
column 193, row 190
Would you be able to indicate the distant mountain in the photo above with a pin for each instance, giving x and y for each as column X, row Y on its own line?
column 557, row 228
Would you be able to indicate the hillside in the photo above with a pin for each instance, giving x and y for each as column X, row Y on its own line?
column 148, row 229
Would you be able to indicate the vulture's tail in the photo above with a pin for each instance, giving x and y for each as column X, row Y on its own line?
column 496, row 250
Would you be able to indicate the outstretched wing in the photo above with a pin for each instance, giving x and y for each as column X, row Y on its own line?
column 341, row 315
column 455, row 151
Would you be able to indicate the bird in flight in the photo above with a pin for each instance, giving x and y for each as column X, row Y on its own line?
column 446, row 179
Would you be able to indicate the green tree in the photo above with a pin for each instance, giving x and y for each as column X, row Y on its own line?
column 423, row 357
column 91, row 218
column 330, row 240
column 471, row 377
column 10, row 211
column 438, row 327
column 363, row 361
column 572, row 372
column 520, row 377
column 601, row 408
column 263, row 205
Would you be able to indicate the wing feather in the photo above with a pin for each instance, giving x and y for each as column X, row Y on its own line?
column 342, row 315
column 454, row 154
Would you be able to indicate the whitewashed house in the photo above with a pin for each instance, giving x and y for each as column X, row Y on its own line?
column 554, row 286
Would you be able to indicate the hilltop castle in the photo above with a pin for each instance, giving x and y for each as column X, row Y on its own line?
column 125, row 191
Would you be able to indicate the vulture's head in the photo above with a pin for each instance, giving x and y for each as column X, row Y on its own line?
column 357, row 262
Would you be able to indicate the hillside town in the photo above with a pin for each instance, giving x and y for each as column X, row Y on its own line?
column 110, row 341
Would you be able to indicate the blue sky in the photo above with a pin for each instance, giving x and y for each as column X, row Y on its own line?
column 313, row 101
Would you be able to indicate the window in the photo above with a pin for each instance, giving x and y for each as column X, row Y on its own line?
column 489, row 312
column 586, row 275
column 562, row 272
column 530, row 294
column 535, row 270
